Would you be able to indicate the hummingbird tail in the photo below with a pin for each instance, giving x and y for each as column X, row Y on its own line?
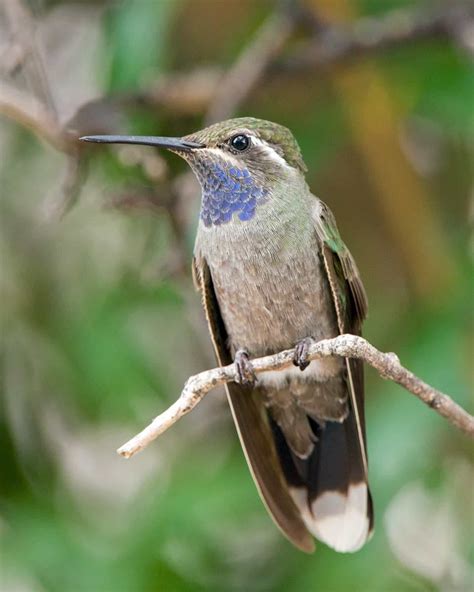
column 330, row 487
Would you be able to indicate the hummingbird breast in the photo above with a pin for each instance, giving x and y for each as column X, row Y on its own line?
column 269, row 280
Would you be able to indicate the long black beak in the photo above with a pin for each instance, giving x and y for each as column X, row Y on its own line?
column 178, row 144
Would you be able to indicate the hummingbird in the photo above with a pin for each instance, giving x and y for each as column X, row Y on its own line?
column 273, row 274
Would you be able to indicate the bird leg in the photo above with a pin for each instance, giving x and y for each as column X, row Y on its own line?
column 244, row 368
column 300, row 358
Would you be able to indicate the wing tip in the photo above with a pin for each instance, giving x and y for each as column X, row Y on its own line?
column 307, row 544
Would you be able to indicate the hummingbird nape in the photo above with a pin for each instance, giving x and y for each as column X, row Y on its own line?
column 274, row 273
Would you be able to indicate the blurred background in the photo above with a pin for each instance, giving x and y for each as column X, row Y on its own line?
column 100, row 324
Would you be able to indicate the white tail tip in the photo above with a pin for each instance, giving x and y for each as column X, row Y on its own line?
column 339, row 520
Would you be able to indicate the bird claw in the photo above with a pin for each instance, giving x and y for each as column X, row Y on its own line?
column 244, row 370
column 300, row 358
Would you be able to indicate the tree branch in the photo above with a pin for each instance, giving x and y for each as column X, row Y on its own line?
column 348, row 346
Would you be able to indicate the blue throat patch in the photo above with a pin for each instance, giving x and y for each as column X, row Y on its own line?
column 229, row 191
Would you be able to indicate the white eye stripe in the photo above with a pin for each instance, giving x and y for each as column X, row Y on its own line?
column 271, row 152
column 266, row 148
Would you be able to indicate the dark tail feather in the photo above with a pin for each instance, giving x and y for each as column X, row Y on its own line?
column 330, row 486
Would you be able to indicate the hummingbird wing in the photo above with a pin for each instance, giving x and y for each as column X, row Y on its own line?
column 252, row 423
column 350, row 299
column 333, row 494
column 350, row 302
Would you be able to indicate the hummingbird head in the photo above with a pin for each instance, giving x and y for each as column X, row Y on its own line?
column 262, row 146
column 238, row 163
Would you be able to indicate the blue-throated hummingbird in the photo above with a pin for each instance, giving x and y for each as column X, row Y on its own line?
column 273, row 274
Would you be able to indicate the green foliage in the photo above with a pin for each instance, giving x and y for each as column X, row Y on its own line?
column 139, row 52
column 440, row 88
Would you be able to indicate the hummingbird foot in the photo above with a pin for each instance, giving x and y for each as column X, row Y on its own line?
column 244, row 368
column 300, row 358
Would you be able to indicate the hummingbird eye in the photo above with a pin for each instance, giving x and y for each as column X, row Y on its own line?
column 240, row 142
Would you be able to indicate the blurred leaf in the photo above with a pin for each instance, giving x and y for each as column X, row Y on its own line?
column 440, row 87
column 138, row 41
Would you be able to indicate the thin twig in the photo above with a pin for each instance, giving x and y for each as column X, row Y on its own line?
column 348, row 346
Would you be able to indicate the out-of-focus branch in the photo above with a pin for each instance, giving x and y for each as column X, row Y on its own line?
column 181, row 93
column 58, row 206
column 215, row 91
column 12, row 56
column 251, row 65
column 29, row 112
column 221, row 93
column 23, row 29
column 373, row 35
column 348, row 346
